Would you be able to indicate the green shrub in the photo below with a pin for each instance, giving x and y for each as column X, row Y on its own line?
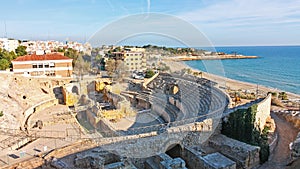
column 240, row 126
column 1, row 113
column 149, row 73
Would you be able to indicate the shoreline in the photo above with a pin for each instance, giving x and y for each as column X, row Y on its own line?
column 209, row 57
column 231, row 83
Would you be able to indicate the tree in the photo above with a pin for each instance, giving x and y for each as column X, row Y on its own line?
column 110, row 66
column 120, row 71
column 117, row 49
column 283, row 96
column 21, row 51
column 4, row 64
column 81, row 66
column 73, row 54
column 60, row 50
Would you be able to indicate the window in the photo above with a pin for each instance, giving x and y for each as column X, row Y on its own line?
column 46, row 65
column 51, row 64
column 34, row 65
column 52, row 73
column 40, row 65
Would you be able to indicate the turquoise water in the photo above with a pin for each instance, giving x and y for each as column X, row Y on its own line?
column 277, row 67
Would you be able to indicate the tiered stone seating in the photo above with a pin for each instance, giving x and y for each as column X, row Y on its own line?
column 197, row 97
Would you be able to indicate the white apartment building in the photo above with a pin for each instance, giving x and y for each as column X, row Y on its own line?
column 9, row 44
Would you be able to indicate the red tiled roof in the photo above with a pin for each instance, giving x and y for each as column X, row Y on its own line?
column 34, row 57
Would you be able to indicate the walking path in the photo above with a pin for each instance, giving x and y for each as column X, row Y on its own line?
column 286, row 134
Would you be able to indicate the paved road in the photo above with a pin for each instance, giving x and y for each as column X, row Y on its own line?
column 286, row 134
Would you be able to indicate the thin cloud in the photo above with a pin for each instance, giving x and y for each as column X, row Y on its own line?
column 243, row 12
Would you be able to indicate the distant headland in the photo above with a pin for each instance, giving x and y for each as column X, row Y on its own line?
column 186, row 54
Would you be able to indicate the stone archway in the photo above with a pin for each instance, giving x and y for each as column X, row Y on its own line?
column 75, row 90
column 174, row 150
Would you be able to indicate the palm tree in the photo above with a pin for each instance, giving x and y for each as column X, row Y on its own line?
column 282, row 96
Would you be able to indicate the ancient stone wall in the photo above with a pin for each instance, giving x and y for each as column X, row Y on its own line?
column 192, row 158
column 218, row 161
column 160, row 110
column 91, row 117
column 151, row 142
column 245, row 155
column 295, row 147
column 263, row 112
column 149, row 80
column 38, row 107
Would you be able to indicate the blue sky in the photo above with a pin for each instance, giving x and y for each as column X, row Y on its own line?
column 224, row 22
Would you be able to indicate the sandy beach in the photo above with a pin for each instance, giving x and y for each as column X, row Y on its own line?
column 226, row 82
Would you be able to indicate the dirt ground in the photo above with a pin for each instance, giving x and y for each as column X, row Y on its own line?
column 281, row 155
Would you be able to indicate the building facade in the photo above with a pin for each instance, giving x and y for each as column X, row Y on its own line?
column 9, row 44
column 134, row 61
column 54, row 64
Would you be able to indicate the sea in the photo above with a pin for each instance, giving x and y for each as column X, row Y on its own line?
column 277, row 66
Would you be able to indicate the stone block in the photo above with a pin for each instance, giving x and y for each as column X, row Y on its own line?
column 218, row 161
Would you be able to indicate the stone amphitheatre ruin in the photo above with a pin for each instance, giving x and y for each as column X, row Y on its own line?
column 174, row 122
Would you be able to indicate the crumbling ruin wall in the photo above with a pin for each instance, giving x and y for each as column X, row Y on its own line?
column 152, row 142
column 295, row 147
column 192, row 158
column 147, row 81
column 40, row 106
column 105, row 128
column 164, row 161
column 218, row 161
column 161, row 111
column 245, row 155
column 19, row 93
column 71, row 93
column 196, row 160
column 91, row 117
